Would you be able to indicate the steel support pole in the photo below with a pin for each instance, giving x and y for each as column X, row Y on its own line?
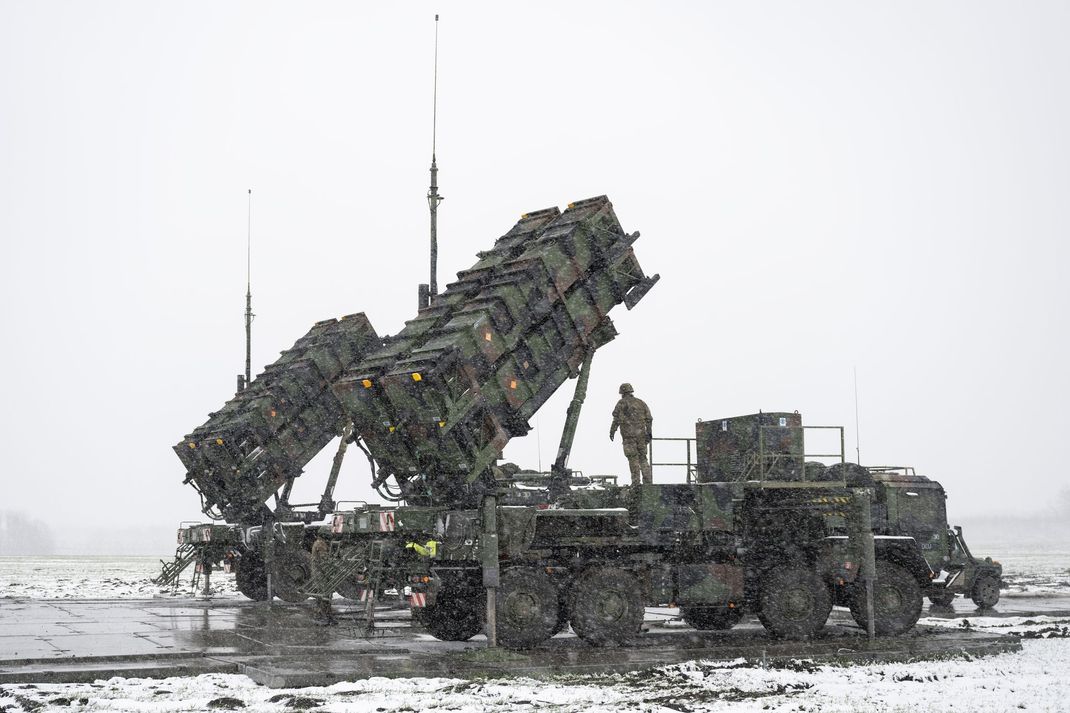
column 268, row 546
column 491, row 570
column 864, row 519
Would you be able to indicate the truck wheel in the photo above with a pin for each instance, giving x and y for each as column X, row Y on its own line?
column 251, row 577
column 527, row 608
column 606, row 606
column 711, row 618
column 793, row 603
column 452, row 617
column 293, row 569
column 897, row 601
column 985, row 591
column 942, row 599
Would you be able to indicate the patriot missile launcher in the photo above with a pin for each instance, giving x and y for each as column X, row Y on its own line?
column 437, row 404
column 432, row 406
column 261, row 439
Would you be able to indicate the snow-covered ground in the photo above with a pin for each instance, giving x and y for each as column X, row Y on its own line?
column 1034, row 572
column 97, row 578
column 1036, row 679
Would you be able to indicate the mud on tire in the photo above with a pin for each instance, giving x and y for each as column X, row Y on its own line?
column 293, row 569
column 793, row 603
column 527, row 608
column 985, row 592
column 606, row 605
column 897, row 600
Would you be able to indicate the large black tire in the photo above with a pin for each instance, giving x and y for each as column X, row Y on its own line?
column 453, row 616
column 793, row 603
column 293, row 569
column 606, row 606
column 897, row 601
column 711, row 618
column 985, row 592
column 251, row 577
column 527, row 608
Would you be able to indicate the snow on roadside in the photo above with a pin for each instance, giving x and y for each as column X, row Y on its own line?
column 96, row 578
column 1035, row 679
column 1026, row 627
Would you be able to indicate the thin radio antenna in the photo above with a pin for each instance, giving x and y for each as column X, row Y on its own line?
column 433, row 198
column 858, row 434
column 249, row 293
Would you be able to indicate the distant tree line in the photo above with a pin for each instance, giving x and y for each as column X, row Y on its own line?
column 22, row 535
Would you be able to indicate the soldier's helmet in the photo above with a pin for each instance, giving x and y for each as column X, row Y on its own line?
column 626, row 389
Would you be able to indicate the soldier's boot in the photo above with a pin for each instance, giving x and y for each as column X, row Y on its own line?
column 644, row 466
column 636, row 468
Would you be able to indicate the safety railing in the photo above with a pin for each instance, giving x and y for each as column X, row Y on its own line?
column 760, row 466
column 691, row 456
column 766, row 461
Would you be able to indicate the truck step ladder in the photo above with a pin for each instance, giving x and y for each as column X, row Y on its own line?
column 332, row 572
column 184, row 556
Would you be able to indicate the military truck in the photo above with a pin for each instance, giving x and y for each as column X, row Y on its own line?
column 764, row 528
column 909, row 504
column 760, row 539
column 431, row 407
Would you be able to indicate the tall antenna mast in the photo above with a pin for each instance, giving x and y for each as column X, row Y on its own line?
column 249, row 294
column 858, row 435
column 433, row 198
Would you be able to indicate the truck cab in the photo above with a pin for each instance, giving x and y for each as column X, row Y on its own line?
column 909, row 504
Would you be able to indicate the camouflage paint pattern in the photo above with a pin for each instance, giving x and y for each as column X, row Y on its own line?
column 676, row 508
column 438, row 403
column 913, row 505
column 709, row 583
column 268, row 432
column 728, row 449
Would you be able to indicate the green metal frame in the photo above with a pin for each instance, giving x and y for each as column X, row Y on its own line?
column 763, row 459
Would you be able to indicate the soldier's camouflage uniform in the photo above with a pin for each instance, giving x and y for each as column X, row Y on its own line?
column 633, row 417
column 323, row 611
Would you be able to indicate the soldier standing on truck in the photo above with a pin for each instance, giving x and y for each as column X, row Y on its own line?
column 633, row 417
column 323, row 612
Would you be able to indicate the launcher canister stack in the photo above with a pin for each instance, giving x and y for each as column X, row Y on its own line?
column 262, row 438
column 438, row 403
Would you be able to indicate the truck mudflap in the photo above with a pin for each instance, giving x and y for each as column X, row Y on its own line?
column 837, row 565
column 905, row 552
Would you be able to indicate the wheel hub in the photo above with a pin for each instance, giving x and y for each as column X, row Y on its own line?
column 611, row 606
column 798, row 603
column 522, row 606
column 890, row 599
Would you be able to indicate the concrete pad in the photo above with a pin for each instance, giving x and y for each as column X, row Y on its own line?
column 88, row 671
column 279, row 645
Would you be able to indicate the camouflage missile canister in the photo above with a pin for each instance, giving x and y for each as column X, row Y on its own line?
column 268, row 432
column 438, row 403
column 755, row 447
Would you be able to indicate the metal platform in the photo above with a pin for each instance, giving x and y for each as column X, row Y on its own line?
column 62, row 641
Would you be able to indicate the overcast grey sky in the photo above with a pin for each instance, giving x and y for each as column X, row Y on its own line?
column 822, row 186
